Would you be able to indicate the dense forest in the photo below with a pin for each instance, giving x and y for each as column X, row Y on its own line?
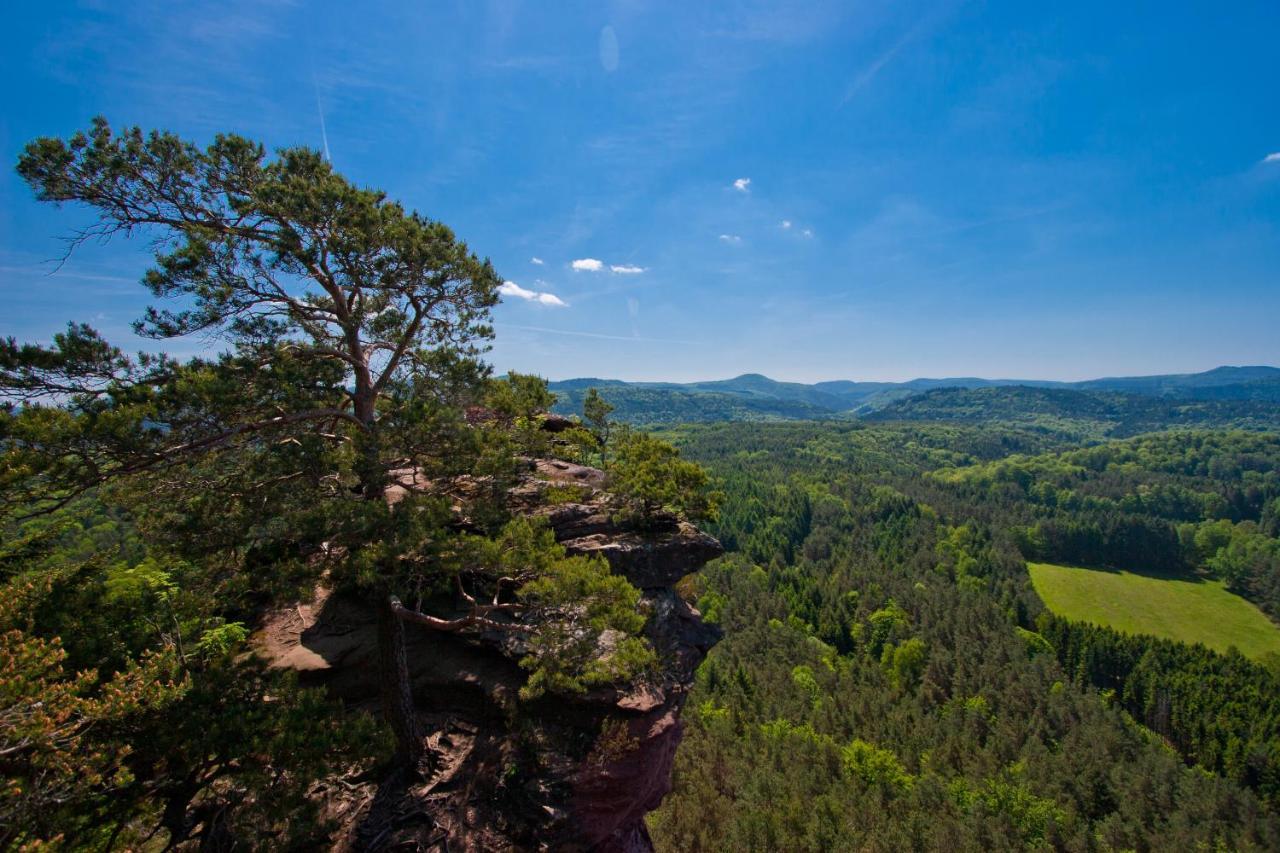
column 889, row 677
column 1171, row 503
column 668, row 406
column 1082, row 415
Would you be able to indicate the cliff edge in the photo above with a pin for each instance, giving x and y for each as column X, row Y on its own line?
column 558, row 773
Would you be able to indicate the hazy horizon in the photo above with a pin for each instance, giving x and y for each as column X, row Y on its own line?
column 819, row 381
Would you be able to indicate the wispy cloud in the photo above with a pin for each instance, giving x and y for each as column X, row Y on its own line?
column 626, row 269
column 784, row 224
column 731, row 239
column 597, row 335
column 866, row 75
column 198, row 51
column 542, row 297
column 527, row 63
column 587, row 265
column 536, row 260
column 808, row 232
column 1014, row 216
column 54, row 273
column 774, row 23
column 742, row 185
column 1273, row 157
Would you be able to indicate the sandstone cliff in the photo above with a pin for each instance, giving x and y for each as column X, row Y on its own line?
column 559, row 773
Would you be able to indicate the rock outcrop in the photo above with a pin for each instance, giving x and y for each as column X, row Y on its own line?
column 558, row 773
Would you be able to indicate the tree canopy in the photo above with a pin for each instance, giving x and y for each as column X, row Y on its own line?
column 318, row 442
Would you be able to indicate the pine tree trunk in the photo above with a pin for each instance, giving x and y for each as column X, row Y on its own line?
column 397, row 693
column 393, row 663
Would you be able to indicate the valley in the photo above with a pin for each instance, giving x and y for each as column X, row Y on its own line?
column 903, row 638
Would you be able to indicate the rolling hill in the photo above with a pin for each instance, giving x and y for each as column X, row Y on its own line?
column 1238, row 396
column 1082, row 414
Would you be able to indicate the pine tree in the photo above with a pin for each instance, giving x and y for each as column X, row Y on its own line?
column 354, row 331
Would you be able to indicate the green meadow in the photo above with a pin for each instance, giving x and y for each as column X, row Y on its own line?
column 1193, row 611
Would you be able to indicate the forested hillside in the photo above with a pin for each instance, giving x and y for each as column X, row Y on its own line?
column 1248, row 398
column 1079, row 414
column 638, row 405
column 889, row 677
column 1172, row 503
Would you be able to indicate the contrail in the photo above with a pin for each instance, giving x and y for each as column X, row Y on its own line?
column 324, row 134
column 875, row 67
column 869, row 73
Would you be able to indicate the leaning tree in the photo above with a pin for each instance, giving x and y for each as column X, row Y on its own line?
column 350, row 332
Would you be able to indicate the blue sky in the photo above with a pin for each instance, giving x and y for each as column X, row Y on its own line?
column 810, row 191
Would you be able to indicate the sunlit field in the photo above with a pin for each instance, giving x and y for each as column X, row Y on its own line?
column 1187, row 610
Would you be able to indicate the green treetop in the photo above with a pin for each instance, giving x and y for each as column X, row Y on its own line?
column 353, row 331
column 650, row 478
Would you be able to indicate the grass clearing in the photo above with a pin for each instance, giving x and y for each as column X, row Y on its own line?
column 1193, row 611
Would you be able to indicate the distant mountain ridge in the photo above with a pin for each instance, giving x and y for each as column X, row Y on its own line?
column 753, row 396
column 1081, row 414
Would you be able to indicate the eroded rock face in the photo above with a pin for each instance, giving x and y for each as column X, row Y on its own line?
column 649, row 559
column 612, row 797
column 560, row 773
column 656, row 557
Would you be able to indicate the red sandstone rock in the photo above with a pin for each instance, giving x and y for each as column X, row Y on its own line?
column 576, row 772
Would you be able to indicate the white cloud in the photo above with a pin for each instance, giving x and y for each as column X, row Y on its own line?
column 731, row 239
column 1273, row 157
column 536, row 260
column 807, row 233
column 742, row 185
column 785, row 224
column 510, row 288
column 597, row 265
